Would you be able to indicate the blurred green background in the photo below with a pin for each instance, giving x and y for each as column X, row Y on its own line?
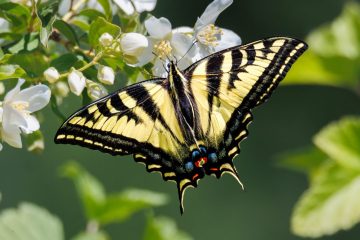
column 217, row 209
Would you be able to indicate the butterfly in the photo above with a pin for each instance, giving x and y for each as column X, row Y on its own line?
column 189, row 124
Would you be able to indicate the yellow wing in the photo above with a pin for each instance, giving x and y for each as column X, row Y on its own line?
column 228, row 84
column 139, row 120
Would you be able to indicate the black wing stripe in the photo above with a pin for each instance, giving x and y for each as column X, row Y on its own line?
column 271, row 76
column 150, row 107
column 213, row 65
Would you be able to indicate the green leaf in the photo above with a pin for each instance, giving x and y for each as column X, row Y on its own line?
column 107, row 8
column 30, row 222
column 66, row 30
column 163, row 228
column 4, row 58
column 91, row 14
column 331, row 204
column 8, row 71
column 27, row 43
column 91, row 236
column 33, row 63
column 17, row 14
column 307, row 160
column 46, row 12
column 89, row 189
column 311, row 68
column 64, row 62
column 100, row 26
column 334, row 54
column 81, row 23
column 340, row 141
column 341, row 37
column 121, row 206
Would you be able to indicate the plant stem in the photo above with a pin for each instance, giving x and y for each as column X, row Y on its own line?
column 73, row 10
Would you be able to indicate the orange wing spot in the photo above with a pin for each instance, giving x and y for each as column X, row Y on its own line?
column 214, row 169
column 195, row 177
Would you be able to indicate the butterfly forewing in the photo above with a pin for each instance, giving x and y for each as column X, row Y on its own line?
column 139, row 120
column 229, row 83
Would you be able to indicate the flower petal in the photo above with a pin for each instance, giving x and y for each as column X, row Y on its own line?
column 182, row 45
column 14, row 91
column 144, row 5
column 32, row 124
column 126, row 6
column 133, row 44
column 37, row 96
column 183, row 29
column 11, row 135
column 159, row 69
column 12, row 116
column 228, row 39
column 147, row 54
column 158, row 28
column 211, row 13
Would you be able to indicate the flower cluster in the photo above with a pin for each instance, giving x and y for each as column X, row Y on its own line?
column 138, row 50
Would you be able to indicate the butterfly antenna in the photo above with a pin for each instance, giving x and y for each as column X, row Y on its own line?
column 192, row 45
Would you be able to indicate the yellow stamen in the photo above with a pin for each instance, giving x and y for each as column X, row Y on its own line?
column 162, row 48
column 20, row 105
column 210, row 35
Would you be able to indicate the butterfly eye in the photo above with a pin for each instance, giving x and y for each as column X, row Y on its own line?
column 189, row 166
column 212, row 157
column 195, row 155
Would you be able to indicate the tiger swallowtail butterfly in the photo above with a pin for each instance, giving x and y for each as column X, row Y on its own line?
column 189, row 124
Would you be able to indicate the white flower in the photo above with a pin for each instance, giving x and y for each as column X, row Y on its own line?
column 166, row 43
column 105, row 39
column 95, row 90
column 51, row 75
column 106, row 75
column 76, row 81
column 132, row 46
column 211, row 38
column 16, row 111
column 140, row 5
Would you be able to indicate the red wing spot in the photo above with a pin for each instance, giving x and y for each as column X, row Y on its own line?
column 214, row 169
column 195, row 177
column 199, row 163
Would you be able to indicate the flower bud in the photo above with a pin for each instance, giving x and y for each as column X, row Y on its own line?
column 76, row 81
column 51, row 75
column 106, row 75
column 61, row 89
column 35, row 142
column 95, row 90
column 106, row 39
column 133, row 44
column 2, row 88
